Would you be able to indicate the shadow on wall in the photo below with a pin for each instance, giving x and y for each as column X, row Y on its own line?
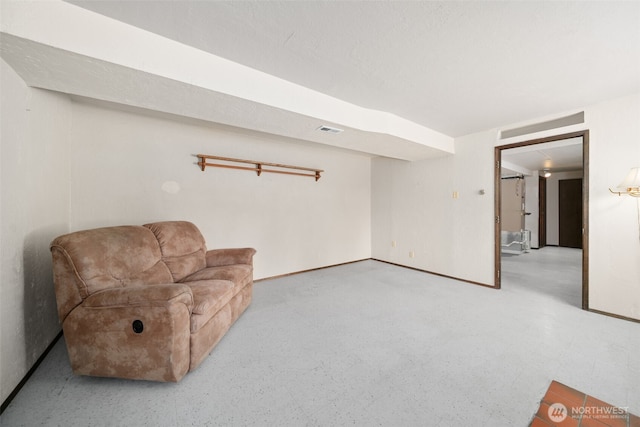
column 41, row 323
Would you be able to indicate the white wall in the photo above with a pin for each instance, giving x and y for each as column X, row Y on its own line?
column 34, row 209
column 121, row 161
column 614, row 246
column 553, row 204
column 412, row 205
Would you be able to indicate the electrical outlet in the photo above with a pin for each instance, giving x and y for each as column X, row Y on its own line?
column 393, row 243
column 412, row 254
column 455, row 195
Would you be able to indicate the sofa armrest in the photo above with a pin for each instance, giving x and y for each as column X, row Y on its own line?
column 142, row 296
column 221, row 257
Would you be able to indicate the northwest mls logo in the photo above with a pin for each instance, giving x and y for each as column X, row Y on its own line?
column 557, row 412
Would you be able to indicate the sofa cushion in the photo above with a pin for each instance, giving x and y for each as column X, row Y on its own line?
column 182, row 245
column 209, row 296
column 113, row 257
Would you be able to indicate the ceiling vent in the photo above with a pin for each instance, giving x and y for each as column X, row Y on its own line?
column 329, row 129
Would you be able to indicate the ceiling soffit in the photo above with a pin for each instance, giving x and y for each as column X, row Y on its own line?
column 41, row 42
column 454, row 67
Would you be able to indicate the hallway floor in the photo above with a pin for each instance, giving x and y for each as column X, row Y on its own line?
column 371, row 343
column 552, row 271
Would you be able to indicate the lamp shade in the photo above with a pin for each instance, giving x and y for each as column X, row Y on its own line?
column 631, row 184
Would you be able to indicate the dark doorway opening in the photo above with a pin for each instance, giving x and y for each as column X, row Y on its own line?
column 570, row 213
column 542, row 212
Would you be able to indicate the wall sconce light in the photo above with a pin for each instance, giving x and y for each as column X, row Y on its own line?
column 630, row 185
column 546, row 173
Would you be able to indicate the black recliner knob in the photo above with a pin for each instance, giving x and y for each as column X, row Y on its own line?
column 138, row 327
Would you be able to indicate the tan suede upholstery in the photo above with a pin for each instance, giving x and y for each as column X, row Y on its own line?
column 182, row 245
column 146, row 302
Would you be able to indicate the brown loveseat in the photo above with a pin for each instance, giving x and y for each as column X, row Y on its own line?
column 146, row 302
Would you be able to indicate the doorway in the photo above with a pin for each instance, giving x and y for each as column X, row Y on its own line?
column 570, row 213
column 582, row 236
column 542, row 212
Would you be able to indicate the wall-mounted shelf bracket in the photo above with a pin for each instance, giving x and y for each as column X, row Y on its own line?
column 257, row 167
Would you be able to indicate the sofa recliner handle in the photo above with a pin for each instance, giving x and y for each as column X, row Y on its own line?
column 137, row 326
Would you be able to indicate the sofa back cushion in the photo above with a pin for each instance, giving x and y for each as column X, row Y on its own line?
column 182, row 245
column 109, row 257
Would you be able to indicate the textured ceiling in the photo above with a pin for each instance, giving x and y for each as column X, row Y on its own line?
column 556, row 156
column 402, row 78
column 455, row 67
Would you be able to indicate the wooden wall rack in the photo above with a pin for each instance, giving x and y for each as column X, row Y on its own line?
column 257, row 167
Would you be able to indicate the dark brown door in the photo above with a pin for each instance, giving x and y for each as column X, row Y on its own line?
column 570, row 213
column 542, row 212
